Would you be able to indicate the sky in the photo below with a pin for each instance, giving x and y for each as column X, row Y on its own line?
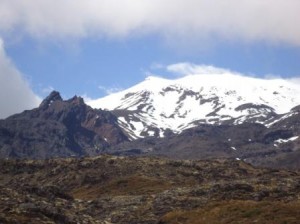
column 93, row 48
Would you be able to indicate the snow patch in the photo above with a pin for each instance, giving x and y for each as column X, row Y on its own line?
column 207, row 98
column 279, row 141
column 280, row 119
column 51, row 101
column 138, row 127
column 151, row 133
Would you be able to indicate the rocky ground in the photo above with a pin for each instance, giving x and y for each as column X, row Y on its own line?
column 109, row 189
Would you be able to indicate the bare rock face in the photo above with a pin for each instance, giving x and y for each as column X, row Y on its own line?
column 59, row 128
column 54, row 96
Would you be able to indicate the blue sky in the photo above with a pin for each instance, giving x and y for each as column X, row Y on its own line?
column 95, row 47
column 93, row 65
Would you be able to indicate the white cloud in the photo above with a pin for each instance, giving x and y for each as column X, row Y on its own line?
column 268, row 20
column 15, row 92
column 110, row 90
column 156, row 66
column 47, row 90
column 185, row 68
column 86, row 98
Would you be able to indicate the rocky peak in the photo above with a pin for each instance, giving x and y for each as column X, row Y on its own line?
column 59, row 128
column 53, row 96
column 77, row 100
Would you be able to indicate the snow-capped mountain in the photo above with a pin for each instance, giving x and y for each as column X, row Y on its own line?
column 157, row 106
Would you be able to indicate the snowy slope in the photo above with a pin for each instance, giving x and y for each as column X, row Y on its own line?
column 157, row 104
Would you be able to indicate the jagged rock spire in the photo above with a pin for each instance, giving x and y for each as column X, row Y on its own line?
column 53, row 96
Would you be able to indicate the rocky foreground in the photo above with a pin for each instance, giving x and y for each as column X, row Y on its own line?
column 110, row 189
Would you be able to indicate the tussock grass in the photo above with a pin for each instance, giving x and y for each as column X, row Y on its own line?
column 238, row 212
column 131, row 185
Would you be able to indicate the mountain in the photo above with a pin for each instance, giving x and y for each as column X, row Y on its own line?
column 219, row 126
column 158, row 106
column 59, row 128
column 167, row 118
column 210, row 116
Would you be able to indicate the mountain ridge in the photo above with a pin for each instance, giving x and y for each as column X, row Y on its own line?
column 157, row 105
column 59, row 128
column 70, row 128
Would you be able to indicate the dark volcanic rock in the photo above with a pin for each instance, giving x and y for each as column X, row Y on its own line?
column 59, row 128
column 108, row 189
column 54, row 96
column 251, row 142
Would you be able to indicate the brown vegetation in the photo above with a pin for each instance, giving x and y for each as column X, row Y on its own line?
column 238, row 212
column 108, row 189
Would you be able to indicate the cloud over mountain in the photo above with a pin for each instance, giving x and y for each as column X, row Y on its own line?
column 269, row 20
column 15, row 92
column 185, row 68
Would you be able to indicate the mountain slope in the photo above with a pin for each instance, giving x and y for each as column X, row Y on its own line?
column 59, row 128
column 157, row 106
column 276, row 147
